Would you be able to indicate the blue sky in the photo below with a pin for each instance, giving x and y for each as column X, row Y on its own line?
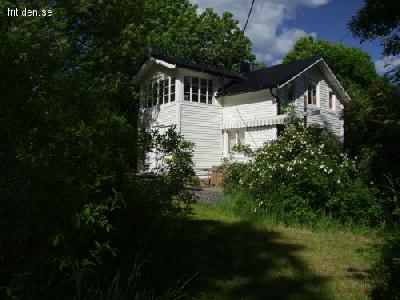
column 275, row 25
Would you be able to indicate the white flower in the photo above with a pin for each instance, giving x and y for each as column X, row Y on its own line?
column 338, row 181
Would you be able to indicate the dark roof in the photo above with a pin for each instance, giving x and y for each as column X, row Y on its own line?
column 268, row 77
column 249, row 81
column 197, row 67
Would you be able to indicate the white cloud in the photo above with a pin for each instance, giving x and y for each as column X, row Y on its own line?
column 386, row 64
column 271, row 41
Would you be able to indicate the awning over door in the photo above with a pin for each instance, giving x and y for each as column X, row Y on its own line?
column 256, row 122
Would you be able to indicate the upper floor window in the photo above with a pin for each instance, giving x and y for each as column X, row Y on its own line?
column 331, row 100
column 197, row 89
column 161, row 91
column 312, row 94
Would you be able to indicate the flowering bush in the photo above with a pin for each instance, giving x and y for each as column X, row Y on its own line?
column 304, row 173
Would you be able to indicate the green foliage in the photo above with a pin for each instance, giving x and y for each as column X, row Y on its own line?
column 379, row 19
column 302, row 175
column 352, row 66
column 75, row 208
column 387, row 270
column 374, row 127
column 205, row 38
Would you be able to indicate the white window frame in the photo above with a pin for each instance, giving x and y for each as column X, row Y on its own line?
column 209, row 90
column 333, row 100
column 155, row 92
column 317, row 100
column 237, row 140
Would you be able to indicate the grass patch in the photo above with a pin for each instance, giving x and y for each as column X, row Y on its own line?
column 254, row 259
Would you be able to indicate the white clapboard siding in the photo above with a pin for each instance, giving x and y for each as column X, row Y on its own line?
column 164, row 115
column 256, row 137
column 246, row 106
column 200, row 124
column 331, row 120
column 160, row 117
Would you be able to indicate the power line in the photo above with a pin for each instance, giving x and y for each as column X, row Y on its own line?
column 345, row 36
column 248, row 16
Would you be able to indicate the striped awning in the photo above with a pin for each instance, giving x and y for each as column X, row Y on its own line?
column 256, row 122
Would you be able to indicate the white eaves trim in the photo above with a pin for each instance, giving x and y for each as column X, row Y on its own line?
column 335, row 82
column 163, row 63
column 148, row 65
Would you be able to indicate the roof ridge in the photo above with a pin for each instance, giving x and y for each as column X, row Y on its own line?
column 285, row 64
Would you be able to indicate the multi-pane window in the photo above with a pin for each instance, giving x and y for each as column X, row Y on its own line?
column 172, row 89
column 331, row 100
column 154, row 90
column 161, row 91
column 166, row 90
column 235, row 138
column 312, row 93
column 198, row 90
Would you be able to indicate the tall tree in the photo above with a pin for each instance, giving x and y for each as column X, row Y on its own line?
column 68, row 136
column 205, row 38
column 380, row 19
column 353, row 67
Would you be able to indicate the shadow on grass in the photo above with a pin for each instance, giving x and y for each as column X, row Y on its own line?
column 238, row 261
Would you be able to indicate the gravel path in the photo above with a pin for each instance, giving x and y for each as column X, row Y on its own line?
column 210, row 194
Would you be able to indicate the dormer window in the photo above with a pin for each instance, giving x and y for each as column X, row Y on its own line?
column 198, row 90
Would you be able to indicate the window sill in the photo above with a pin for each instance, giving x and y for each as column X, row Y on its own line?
column 332, row 112
column 197, row 103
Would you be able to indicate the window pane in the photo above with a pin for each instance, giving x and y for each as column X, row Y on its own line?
column 203, row 94
column 203, row 83
column 312, row 94
column 160, row 92
column 195, row 97
column 195, row 89
column 187, row 81
column 154, row 89
column 173, row 79
column 231, row 140
column 166, row 90
column 209, row 92
column 241, row 137
column 330, row 103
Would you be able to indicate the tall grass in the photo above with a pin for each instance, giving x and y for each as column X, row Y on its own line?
column 241, row 204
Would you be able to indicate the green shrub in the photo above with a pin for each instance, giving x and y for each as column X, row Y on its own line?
column 387, row 271
column 303, row 174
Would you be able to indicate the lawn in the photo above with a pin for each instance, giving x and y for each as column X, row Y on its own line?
column 227, row 257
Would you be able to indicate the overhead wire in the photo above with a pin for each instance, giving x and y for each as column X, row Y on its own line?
column 248, row 16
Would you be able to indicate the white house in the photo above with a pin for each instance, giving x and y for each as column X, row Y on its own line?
column 216, row 109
